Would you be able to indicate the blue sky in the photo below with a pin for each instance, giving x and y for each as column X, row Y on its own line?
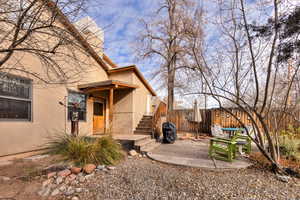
column 120, row 21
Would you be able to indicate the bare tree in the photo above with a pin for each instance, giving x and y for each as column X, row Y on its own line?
column 244, row 72
column 40, row 30
column 164, row 40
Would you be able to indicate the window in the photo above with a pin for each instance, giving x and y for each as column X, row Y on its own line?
column 98, row 109
column 15, row 97
column 76, row 97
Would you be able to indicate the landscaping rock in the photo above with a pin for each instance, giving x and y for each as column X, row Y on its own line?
column 47, row 182
column 59, row 180
column 55, row 168
column 78, row 190
column 69, row 191
column 89, row 168
column 284, row 179
column 4, row 178
column 74, row 182
column 89, row 176
column 51, row 174
column 111, row 167
column 64, row 173
column 76, row 170
column 75, row 198
column 45, row 191
column 72, row 177
column 133, row 152
column 67, row 181
column 81, row 179
column 55, row 192
column 62, row 188
column 36, row 157
column 101, row 167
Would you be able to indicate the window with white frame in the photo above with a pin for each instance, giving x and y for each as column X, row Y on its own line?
column 15, row 97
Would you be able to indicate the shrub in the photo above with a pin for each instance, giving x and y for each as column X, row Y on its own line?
column 108, row 150
column 289, row 143
column 82, row 150
column 291, row 132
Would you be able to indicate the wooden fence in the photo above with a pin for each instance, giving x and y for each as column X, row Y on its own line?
column 182, row 120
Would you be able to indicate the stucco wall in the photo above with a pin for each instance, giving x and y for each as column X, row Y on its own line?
column 123, row 105
column 48, row 116
column 128, row 119
column 123, row 112
column 140, row 96
column 126, row 76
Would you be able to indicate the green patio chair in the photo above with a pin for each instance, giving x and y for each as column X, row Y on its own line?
column 222, row 149
column 225, row 149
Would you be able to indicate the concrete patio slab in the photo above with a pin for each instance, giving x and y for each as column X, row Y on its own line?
column 193, row 154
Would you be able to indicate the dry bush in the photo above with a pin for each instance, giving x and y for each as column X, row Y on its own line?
column 82, row 150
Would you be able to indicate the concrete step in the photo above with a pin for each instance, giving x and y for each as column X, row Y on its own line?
column 145, row 121
column 149, row 148
column 143, row 144
column 143, row 129
column 142, row 138
column 141, row 132
column 144, row 126
column 147, row 117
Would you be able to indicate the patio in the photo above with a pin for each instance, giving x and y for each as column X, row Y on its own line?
column 193, row 154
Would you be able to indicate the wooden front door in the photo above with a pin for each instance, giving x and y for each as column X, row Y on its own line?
column 99, row 118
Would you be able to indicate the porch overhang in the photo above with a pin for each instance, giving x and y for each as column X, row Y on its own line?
column 106, row 85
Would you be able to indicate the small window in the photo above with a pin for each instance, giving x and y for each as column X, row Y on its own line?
column 15, row 97
column 76, row 97
column 98, row 109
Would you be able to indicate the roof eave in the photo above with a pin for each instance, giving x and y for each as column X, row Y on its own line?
column 77, row 35
column 138, row 73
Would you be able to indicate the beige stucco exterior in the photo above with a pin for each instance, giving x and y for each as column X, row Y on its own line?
column 50, row 118
column 133, row 104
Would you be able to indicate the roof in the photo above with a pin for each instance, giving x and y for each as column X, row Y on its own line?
column 137, row 72
column 109, row 61
column 76, row 34
column 106, row 85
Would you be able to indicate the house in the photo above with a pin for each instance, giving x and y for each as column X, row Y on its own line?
column 111, row 98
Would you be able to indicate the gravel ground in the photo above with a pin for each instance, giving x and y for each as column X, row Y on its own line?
column 141, row 178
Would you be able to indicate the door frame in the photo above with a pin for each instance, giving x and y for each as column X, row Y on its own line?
column 103, row 101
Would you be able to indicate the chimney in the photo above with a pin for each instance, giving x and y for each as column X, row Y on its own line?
column 93, row 34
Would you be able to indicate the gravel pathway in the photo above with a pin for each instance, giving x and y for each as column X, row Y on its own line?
column 144, row 179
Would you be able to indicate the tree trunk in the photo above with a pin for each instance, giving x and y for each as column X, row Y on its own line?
column 171, row 82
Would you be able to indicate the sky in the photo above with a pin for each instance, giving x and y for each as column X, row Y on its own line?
column 120, row 20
